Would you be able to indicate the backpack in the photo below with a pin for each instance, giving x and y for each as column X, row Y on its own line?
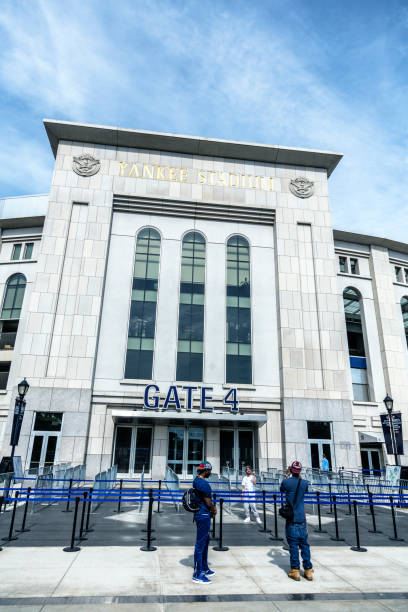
column 189, row 500
column 286, row 510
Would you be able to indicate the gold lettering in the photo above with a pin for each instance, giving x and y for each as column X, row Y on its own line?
column 148, row 171
column 159, row 173
column 243, row 181
column 202, row 177
column 134, row 170
column 172, row 174
column 123, row 166
column 212, row 174
column 271, row 184
column 183, row 175
column 221, row 178
column 232, row 178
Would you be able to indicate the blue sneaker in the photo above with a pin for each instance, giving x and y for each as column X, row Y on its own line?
column 210, row 572
column 202, row 578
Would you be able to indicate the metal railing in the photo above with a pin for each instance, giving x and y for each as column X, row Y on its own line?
column 173, row 485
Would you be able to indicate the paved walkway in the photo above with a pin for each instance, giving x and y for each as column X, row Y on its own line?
column 110, row 569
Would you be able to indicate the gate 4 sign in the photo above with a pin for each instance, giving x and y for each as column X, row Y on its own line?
column 175, row 399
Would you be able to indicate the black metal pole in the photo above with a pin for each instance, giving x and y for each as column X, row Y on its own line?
column 23, row 527
column 348, row 498
column 374, row 529
column 220, row 547
column 275, row 537
column 1, row 502
column 81, row 529
column 394, row 523
column 13, row 516
column 149, row 547
column 213, row 518
column 319, row 529
column 120, row 494
column 330, row 493
column 87, row 528
column 336, row 538
column 357, row 548
column 69, row 497
column 264, row 530
column 158, row 511
column 72, row 547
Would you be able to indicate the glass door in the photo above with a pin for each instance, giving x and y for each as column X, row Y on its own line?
column 371, row 462
column 185, row 449
column 318, row 448
column 133, row 446
column 195, row 449
column 176, row 449
column 236, row 449
column 43, row 448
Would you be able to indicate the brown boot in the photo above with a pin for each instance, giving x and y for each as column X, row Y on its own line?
column 294, row 574
column 309, row 573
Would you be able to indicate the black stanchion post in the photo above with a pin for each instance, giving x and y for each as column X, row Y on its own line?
column 158, row 511
column 330, row 495
column 275, row 537
column 264, row 530
column 81, row 529
column 69, row 496
column 212, row 536
column 120, row 494
column 10, row 536
column 336, row 538
column 394, row 523
column 220, row 546
column 72, row 547
column 149, row 547
column 87, row 528
column 348, row 498
column 374, row 529
column 319, row 516
column 1, row 502
column 357, row 548
column 23, row 527
column 147, row 527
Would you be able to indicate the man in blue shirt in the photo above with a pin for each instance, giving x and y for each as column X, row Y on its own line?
column 296, row 533
column 325, row 463
column 202, row 519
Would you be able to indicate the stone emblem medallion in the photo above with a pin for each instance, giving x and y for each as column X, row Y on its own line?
column 86, row 165
column 301, row 187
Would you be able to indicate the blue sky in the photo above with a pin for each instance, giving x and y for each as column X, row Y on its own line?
column 305, row 73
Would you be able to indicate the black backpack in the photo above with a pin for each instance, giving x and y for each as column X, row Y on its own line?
column 189, row 500
column 286, row 510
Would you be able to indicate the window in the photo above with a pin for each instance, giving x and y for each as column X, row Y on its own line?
column 48, row 421
column 404, row 308
column 142, row 322
column 406, row 275
column 13, row 297
column 191, row 310
column 355, row 339
column 353, row 265
column 320, row 430
column 16, row 252
column 4, row 374
column 28, row 250
column 239, row 360
column 398, row 274
column 343, row 264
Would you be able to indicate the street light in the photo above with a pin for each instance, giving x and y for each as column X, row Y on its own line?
column 19, row 408
column 389, row 403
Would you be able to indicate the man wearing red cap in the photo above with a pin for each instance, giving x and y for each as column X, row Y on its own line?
column 296, row 533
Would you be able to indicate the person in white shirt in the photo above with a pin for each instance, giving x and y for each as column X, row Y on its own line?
column 248, row 489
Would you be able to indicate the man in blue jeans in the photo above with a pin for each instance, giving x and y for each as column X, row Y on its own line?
column 202, row 520
column 296, row 533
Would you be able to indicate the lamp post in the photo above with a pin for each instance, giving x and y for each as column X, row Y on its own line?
column 19, row 408
column 389, row 402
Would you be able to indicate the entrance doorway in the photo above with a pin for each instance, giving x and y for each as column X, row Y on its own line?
column 319, row 448
column 133, row 449
column 185, row 449
column 44, row 443
column 371, row 459
column 236, row 449
column 319, row 434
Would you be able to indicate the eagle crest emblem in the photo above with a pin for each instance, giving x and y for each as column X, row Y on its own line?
column 85, row 165
column 301, row 187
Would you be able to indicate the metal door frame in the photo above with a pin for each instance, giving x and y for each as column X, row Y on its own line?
column 184, row 462
column 236, row 431
column 45, row 435
column 131, row 473
column 320, row 442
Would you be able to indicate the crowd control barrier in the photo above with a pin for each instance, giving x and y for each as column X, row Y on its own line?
column 173, row 486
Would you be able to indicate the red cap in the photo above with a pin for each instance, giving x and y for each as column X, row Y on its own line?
column 296, row 467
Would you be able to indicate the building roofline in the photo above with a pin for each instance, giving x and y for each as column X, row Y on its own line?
column 190, row 145
column 392, row 245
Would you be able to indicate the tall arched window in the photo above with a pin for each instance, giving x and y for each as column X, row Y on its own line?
column 355, row 338
column 13, row 297
column 142, row 322
column 239, row 360
column 191, row 311
column 404, row 308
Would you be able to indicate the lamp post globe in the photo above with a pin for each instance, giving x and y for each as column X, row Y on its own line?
column 389, row 402
column 22, row 388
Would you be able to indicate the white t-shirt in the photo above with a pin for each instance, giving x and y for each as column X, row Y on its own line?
column 248, row 483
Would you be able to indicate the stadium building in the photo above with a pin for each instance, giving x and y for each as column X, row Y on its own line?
column 176, row 298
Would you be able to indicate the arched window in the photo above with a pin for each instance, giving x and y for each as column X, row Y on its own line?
column 404, row 308
column 355, row 339
column 142, row 322
column 13, row 297
column 191, row 311
column 239, row 360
